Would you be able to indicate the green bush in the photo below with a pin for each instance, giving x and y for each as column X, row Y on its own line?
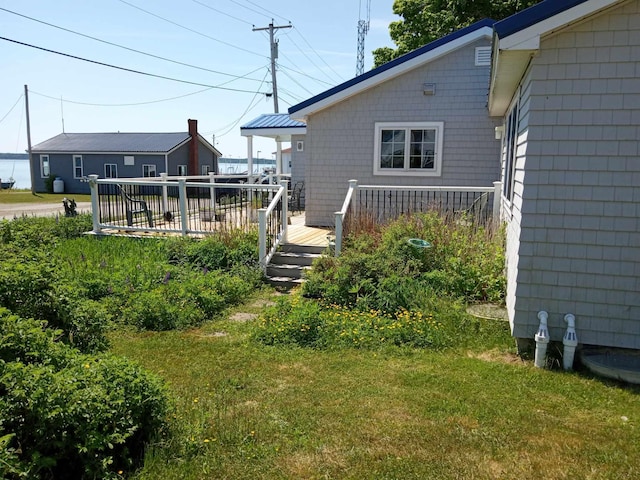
column 386, row 273
column 307, row 323
column 68, row 415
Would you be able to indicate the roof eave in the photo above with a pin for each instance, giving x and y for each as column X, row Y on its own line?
column 273, row 132
column 514, row 45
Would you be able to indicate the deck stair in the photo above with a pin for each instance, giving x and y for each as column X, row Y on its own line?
column 288, row 264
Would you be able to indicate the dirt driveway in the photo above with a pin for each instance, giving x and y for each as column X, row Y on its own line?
column 11, row 210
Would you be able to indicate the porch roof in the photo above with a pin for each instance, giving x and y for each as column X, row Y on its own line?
column 274, row 125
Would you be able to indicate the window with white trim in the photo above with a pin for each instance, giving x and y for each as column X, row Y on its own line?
column 45, row 167
column 182, row 170
column 148, row 170
column 110, row 170
column 206, row 169
column 510, row 146
column 77, row 166
column 411, row 148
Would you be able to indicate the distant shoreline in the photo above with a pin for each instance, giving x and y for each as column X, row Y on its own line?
column 14, row 156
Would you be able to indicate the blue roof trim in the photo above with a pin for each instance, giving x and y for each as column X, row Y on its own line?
column 532, row 15
column 487, row 22
column 273, row 120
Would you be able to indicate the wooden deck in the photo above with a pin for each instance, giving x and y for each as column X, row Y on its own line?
column 299, row 234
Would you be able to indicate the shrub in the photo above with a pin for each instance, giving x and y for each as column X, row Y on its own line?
column 68, row 415
column 386, row 273
column 307, row 323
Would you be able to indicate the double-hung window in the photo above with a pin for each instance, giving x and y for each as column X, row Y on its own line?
column 45, row 167
column 148, row 170
column 412, row 148
column 78, row 171
column 182, row 170
column 110, row 170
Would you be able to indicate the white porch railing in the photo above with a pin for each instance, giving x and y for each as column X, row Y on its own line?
column 201, row 205
column 385, row 202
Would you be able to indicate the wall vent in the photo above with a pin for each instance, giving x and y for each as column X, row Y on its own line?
column 483, row 56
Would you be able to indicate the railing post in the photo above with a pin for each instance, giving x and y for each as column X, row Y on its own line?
column 262, row 238
column 212, row 181
column 353, row 184
column 184, row 213
column 165, row 196
column 95, row 204
column 285, row 200
column 497, row 202
column 338, row 240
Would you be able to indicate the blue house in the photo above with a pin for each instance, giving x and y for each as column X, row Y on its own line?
column 74, row 156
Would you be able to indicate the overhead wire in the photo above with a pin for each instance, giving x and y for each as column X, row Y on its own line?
column 317, row 54
column 307, row 57
column 244, row 77
column 11, row 109
column 192, row 30
column 130, row 70
column 221, row 12
column 268, row 11
column 250, row 107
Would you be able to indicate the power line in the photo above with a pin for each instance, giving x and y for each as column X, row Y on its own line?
column 268, row 11
column 132, row 49
column 221, row 12
column 119, row 104
column 307, row 57
column 312, row 49
column 130, row 70
column 11, row 109
column 192, row 30
column 304, row 74
column 242, row 77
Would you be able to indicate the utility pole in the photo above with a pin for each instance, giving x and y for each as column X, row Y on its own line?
column 274, row 55
column 31, row 169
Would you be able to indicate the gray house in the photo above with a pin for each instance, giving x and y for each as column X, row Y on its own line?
column 565, row 82
column 420, row 119
column 74, row 156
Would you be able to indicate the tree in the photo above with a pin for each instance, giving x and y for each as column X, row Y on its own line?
column 427, row 20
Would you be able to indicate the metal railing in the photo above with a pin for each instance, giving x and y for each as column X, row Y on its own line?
column 382, row 203
column 199, row 205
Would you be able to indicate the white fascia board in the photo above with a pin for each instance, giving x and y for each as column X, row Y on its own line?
column 210, row 147
column 529, row 38
column 272, row 132
column 484, row 32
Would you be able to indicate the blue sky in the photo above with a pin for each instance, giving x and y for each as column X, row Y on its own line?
column 213, row 37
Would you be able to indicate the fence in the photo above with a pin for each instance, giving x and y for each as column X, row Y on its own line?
column 200, row 206
column 381, row 203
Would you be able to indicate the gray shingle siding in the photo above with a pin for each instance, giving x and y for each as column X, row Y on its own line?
column 579, row 234
column 339, row 144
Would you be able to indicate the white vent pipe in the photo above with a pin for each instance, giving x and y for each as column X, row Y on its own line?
column 542, row 339
column 570, row 342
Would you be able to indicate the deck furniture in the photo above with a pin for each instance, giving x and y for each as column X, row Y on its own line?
column 134, row 206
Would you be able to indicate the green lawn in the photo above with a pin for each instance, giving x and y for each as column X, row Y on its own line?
column 245, row 410
column 25, row 196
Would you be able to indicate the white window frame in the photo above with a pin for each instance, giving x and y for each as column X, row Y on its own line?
column 406, row 171
column 205, row 169
column 147, row 169
column 45, row 166
column 113, row 167
column 78, row 167
column 182, row 170
column 510, row 148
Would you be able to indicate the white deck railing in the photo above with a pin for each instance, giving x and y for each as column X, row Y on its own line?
column 384, row 202
column 201, row 205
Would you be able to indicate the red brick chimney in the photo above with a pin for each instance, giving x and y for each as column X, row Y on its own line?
column 192, row 169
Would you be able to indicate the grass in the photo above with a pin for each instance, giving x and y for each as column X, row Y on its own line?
column 244, row 410
column 25, row 196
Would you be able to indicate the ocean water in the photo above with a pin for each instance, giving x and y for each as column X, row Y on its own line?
column 19, row 170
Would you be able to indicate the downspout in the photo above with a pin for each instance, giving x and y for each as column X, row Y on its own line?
column 542, row 339
column 570, row 342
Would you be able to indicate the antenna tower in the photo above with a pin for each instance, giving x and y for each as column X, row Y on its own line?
column 363, row 28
